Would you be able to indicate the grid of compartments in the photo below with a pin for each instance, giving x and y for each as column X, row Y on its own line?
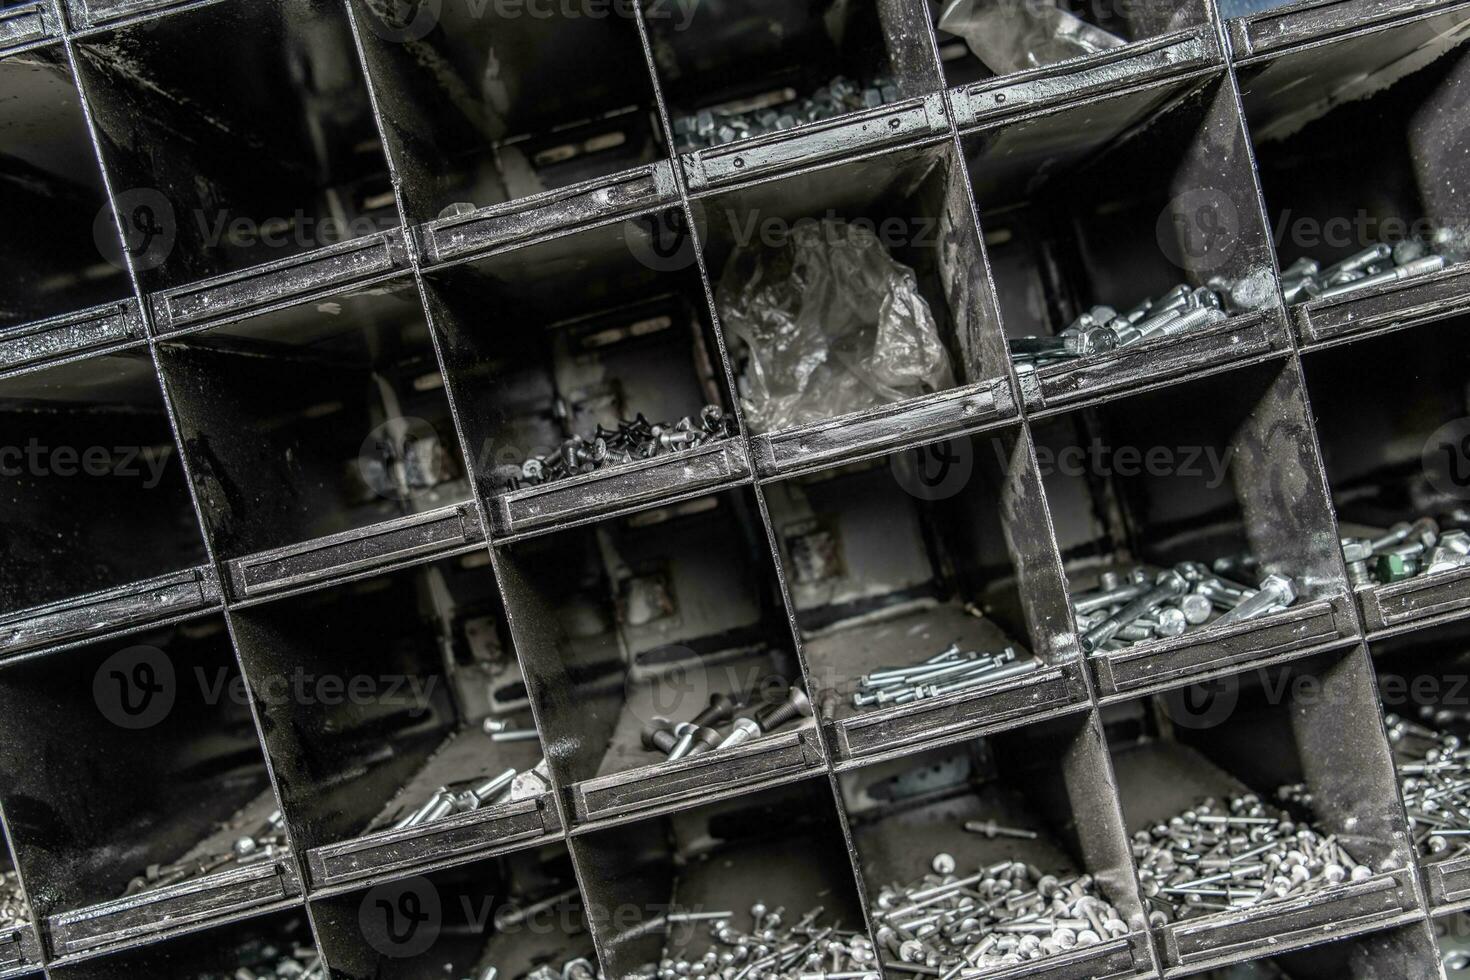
column 397, row 678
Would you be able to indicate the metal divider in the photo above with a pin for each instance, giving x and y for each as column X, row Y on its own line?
column 276, row 289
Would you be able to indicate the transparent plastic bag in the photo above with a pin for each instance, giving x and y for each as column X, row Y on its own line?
column 1011, row 35
column 832, row 324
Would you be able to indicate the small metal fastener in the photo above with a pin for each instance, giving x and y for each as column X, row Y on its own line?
column 1275, row 590
column 744, row 730
column 705, row 740
column 989, row 828
column 797, row 704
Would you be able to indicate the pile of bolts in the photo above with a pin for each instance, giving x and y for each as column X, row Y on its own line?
column 262, row 960
column 1407, row 549
column 1140, row 605
column 264, row 843
column 745, row 715
column 1378, row 265
column 1431, row 767
column 1225, row 856
column 580, row 968
column 13, row 910
column 1104, row 329
column 467, row 795
column 633, row 439
column 771, row 948
column 738, row 121
column 947, row 672
column 999, row 916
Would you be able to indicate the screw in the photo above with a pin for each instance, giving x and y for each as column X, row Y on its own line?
column 744, row 731
column 990, row 828
column 797, row 704
column 1170, row 584
column 1275, row 590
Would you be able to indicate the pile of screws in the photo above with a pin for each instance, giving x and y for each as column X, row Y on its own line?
column 1236, row 855
column 13, row 909
column 1407, row 549
column 946, row 672
column 1140, row 606
column 1379, row 265
column 265, row 843
column 1431, row 767
column 261, row 960
column 631, row 440
column 578, row 969
column 715, row 127
column 1002, row 915
column 1104, row 329
column 745, row 718
column 769, row 948
column 461, row 797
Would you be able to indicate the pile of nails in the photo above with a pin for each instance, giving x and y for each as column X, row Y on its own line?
column 1377, row 265
column 13, row 911
column 715, row 127
column 947, row 672
column 1139, row 605
column 261, row 960
column 746, row 716
column 632, row 440
column 467, row 795
column 1431, row 767
column 1002, row 915
column 1405, row 550
column 771, row 948
column 1236, row 854
column 1104, row 329
column 264, row 843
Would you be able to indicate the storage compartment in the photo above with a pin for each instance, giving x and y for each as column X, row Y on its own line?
column 676, row 889
column 1206, row 776
column 893, row 562
column 483, row 106
column 95, row 496
column 1391, row 413
column 1200, row 486
column 1394, row 94
column 892, row 319
column 1424, row 687
column 1031, row 36
column 236, row 135
column 753, row 68
column 1105, row 219
column 313, row 421
column 557, row 350
column 1025, row 819
column 70, row 255
column 518, row 914
column 264, row 946
column 642, row 632
column 384, row 702
column 133, row 780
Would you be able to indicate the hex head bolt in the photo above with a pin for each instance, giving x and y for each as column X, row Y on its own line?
column 1170, row 585
column 1357, row 553
column 1181, row 322
column 1418, row 267
column 1357, row 262
column 745, row 729
column 797, row 704
column 1276, row 590
column 1425, row 531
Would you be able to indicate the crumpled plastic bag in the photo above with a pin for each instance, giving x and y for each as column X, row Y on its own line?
column 1011, row 35
column 832, row 323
